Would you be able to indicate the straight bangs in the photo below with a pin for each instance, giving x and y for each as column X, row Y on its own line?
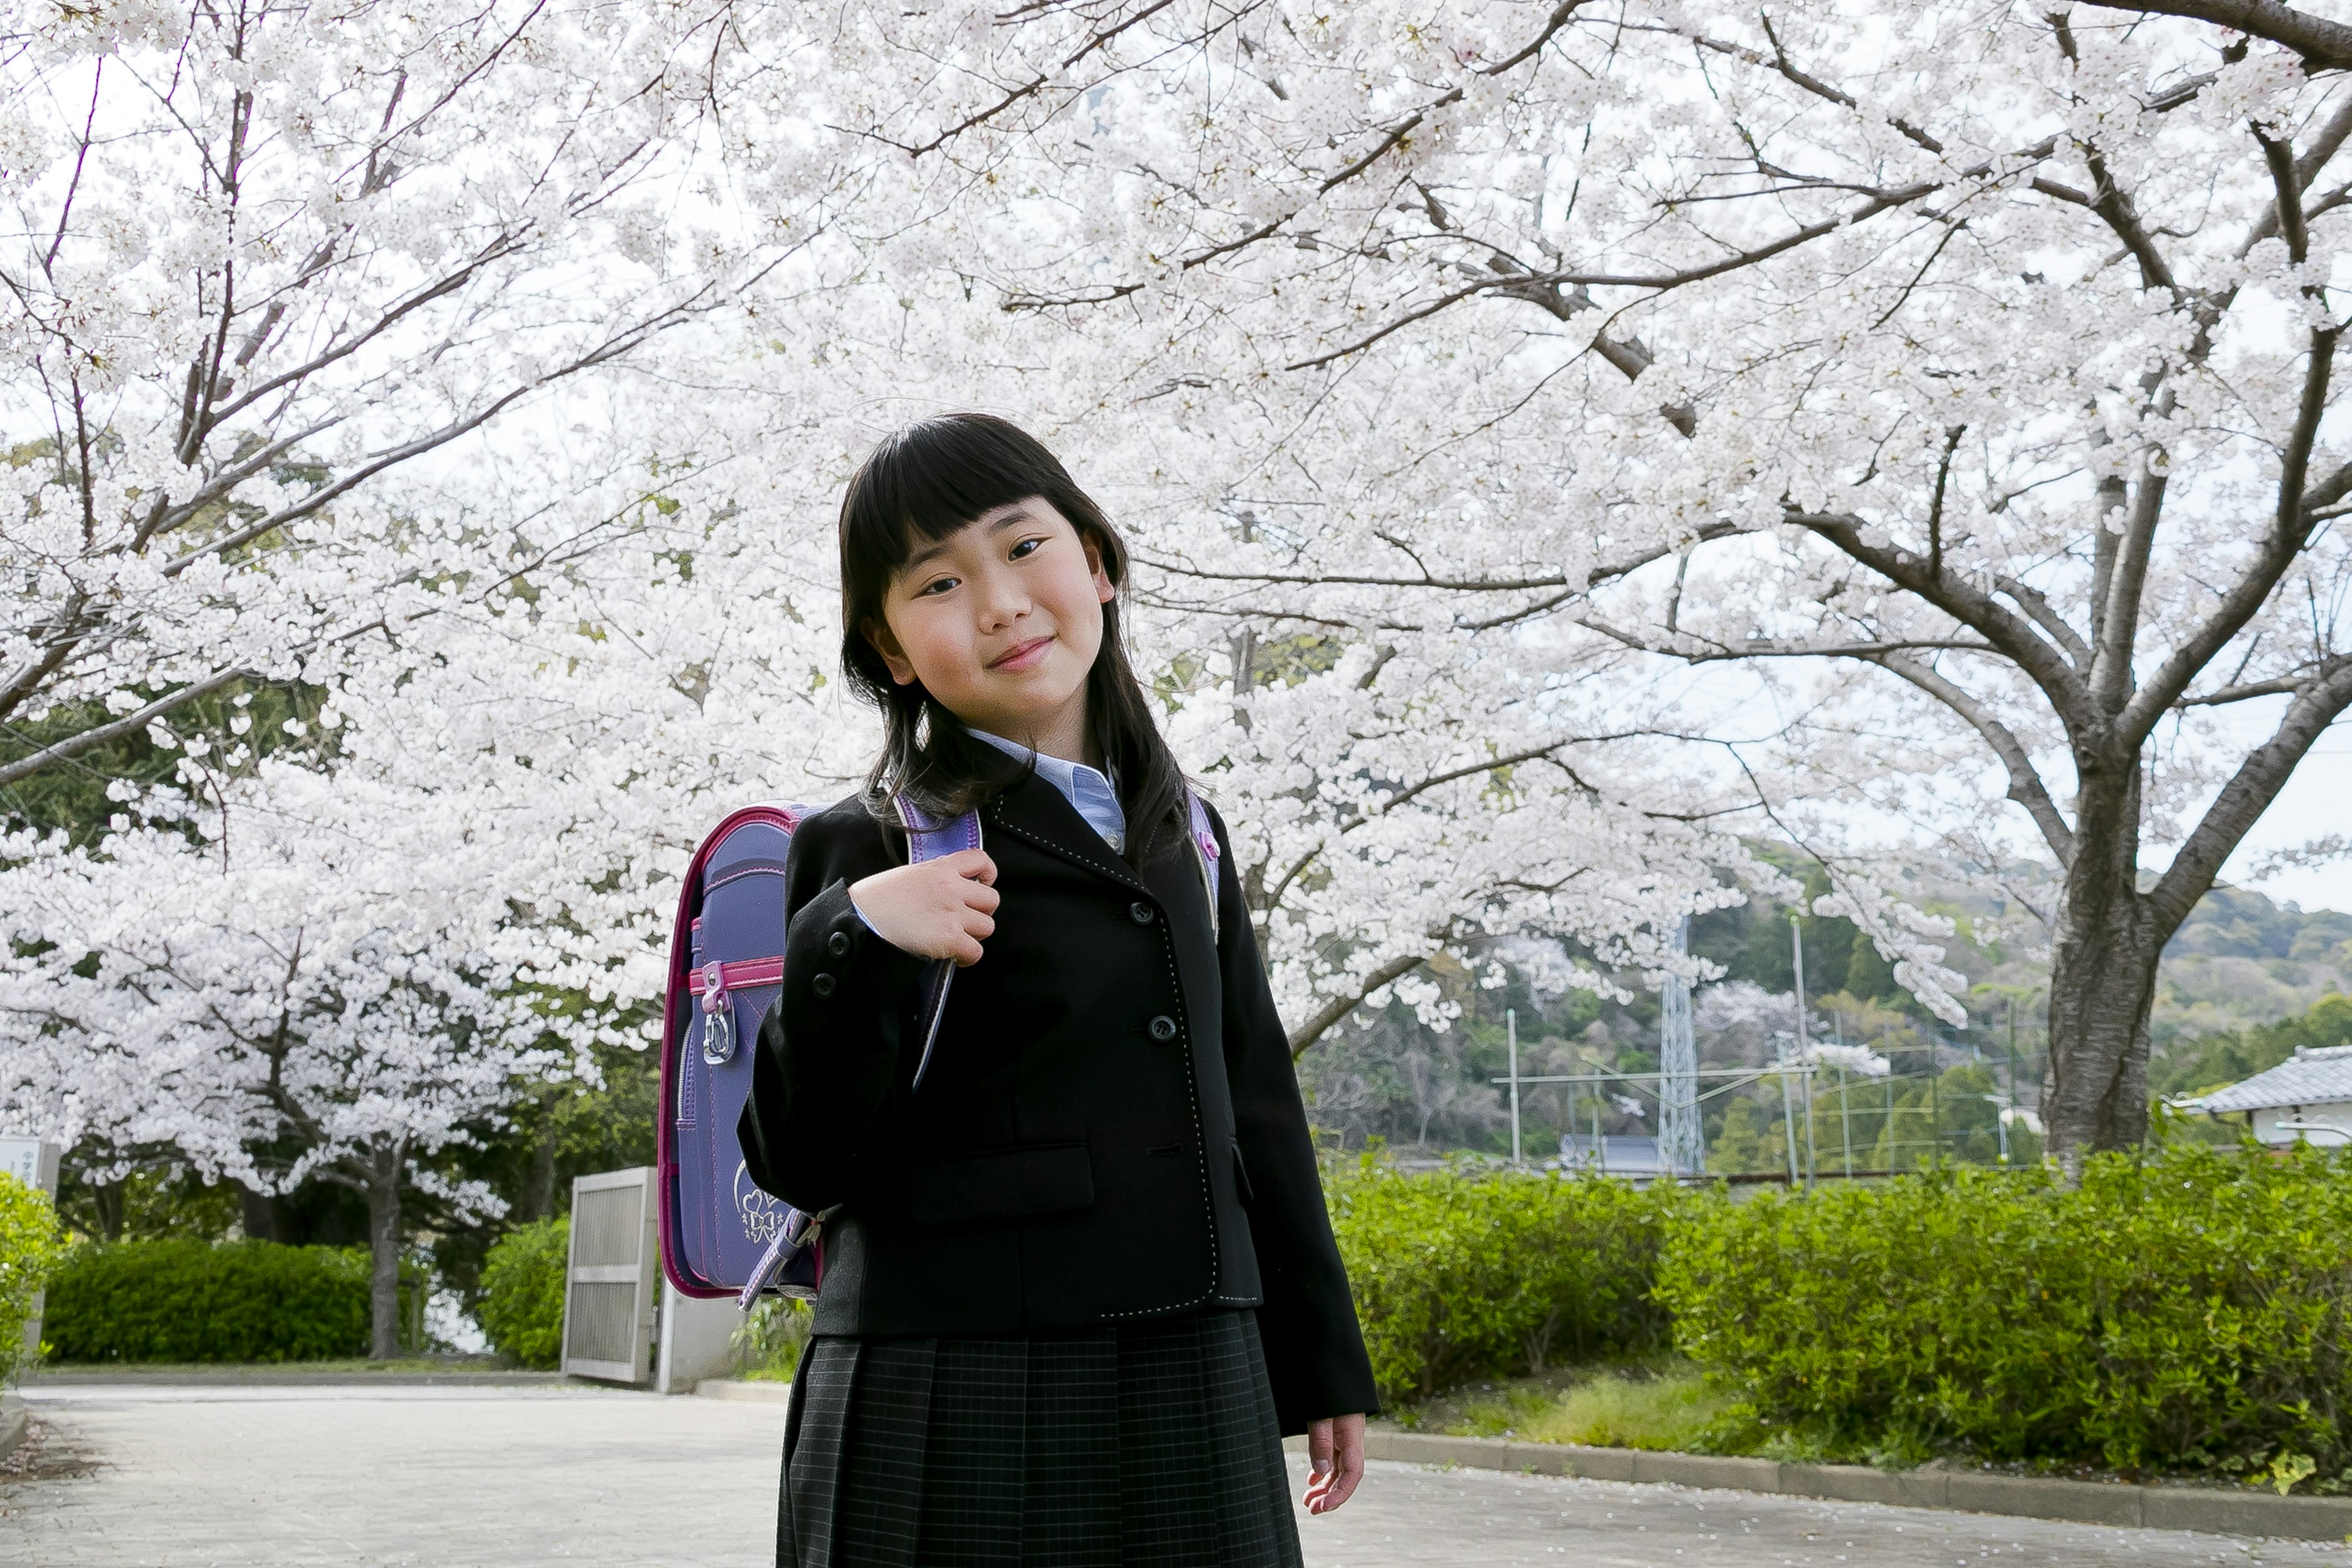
column 923, row 484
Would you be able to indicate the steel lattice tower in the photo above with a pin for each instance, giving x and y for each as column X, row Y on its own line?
column 1681, row 1142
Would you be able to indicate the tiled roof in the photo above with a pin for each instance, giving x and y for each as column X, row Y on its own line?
column 2312, row 1078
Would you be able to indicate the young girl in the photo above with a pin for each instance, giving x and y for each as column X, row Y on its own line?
column 1081, row 1282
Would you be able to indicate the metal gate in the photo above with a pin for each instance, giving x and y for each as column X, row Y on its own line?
column 610, row 1280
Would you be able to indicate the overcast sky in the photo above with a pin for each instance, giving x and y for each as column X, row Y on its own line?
column 2317, row 801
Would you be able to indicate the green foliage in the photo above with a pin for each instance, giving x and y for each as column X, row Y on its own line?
column 769, row 1343
column 2237, row 922
column 187, row 1300
column 149, row 1204
column 31, row 1245
column 242, row 720
column 1678, row 1409
column 2212, row 1061
column 1469, row 1271
column 2187, row 1311
column 522, row 1291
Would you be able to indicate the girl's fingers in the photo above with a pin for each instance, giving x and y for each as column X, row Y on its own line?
column 1335, row 1449
column 965, row 951
column 982, row 897
column 1346, row 1471
column 978, row 925
column 972, row 863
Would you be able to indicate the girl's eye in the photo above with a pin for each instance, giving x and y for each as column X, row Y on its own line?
column 1026, row 547
column 936, row 586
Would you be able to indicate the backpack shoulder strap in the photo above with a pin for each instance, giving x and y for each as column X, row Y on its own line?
column 1205, row 852
column 929, row 840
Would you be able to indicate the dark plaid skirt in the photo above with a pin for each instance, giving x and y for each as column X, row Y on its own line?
column 1150, row 1443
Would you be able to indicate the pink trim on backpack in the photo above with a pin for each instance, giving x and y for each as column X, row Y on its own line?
column 681, row 982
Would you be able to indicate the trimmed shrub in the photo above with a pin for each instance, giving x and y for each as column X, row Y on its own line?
column 194, row 1301
column 769, row 1343
column 522, row 1291
column 1469, row 1271
column 31, row 1246
column 2184, row 1311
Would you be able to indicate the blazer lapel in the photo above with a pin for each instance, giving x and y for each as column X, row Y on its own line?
column 1036, row 812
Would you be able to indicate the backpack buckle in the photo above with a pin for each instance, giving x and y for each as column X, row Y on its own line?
column 718, row 1019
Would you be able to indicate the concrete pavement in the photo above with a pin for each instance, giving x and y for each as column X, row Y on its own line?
column 521, row 1477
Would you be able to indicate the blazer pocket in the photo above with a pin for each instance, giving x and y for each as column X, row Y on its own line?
column 1010, row 1183
column 1241, row 1174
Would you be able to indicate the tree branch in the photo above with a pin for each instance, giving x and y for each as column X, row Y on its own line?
column 2248, row 794
column 2025, row 785
column 1339, row 1007
column 130, row 724
column 2323, row 44
column 2011, row 635
column 2290, row 531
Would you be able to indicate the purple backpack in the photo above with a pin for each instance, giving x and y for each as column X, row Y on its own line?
column 720, row 1234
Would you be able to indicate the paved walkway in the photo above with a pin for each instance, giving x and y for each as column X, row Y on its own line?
column 517, row 1478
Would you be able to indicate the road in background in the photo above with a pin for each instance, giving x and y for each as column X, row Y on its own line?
column 442, row 1478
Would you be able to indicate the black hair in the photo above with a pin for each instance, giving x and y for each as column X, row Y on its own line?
column 919, row 485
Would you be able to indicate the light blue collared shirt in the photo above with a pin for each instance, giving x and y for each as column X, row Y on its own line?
column 1088, row 790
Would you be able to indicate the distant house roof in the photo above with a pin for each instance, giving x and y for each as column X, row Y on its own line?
column 2312, row 1078
column 1620, row 1156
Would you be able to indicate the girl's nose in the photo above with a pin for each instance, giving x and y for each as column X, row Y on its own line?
column 1002, row 604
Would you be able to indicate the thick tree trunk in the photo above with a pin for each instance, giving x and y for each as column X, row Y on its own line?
column 538, row 1181
column 106, row 1200
column 383, row 1252
column 259, row 1216
column 2102, row 984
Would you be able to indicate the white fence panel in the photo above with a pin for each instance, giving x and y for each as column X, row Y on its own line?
column 611, row 1280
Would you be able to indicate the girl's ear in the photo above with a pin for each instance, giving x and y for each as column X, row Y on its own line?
column 1105, row 589
column 886, row 642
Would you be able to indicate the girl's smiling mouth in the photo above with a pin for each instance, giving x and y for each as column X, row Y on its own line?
column 1022, row 656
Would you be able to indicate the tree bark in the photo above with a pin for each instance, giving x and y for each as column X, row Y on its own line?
column 106, row 1200
column 2102, row 978
column 539, row 1182
column 258, row 1214
column 383, row 1252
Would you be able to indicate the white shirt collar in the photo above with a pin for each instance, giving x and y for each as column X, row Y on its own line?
column 1090, row 791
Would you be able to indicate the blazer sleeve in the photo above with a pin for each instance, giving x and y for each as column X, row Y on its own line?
column 824, row 1072
column 1314, row 1347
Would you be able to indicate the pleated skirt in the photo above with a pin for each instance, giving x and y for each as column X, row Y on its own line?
column 1145, row 1446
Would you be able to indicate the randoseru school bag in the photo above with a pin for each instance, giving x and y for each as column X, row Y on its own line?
column 720, row 1234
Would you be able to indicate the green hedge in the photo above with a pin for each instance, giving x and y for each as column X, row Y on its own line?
column 1469, row 1271
column 2186, row 1311
column 30, row 1251
column 522, row 1291
column 194, row 1301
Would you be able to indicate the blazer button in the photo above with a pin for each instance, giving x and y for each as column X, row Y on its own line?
column 822, row 984
column 837, row 944
column 1163, row 1028
column 1142, row 913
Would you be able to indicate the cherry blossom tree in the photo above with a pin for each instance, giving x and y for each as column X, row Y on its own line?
column 268, row 276
column 1963, row 374
column 319, row 972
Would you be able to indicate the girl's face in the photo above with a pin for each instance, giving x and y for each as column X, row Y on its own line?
column 1000, row 622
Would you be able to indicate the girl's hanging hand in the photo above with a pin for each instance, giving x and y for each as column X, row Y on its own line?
column 1335, row 1451
column 940, row 909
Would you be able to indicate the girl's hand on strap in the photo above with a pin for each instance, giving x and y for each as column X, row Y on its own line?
column 940, row 909
column 1334, row 1452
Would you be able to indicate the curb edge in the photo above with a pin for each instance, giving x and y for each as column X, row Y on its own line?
column 2214, row 1512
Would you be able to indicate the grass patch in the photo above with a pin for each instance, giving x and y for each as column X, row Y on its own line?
column 1677, row 1410
column 1666, row 1409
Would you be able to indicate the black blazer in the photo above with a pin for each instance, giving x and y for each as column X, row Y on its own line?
column 1109, row 1129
